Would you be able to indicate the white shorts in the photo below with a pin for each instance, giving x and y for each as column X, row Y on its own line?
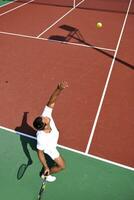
column 53, row 153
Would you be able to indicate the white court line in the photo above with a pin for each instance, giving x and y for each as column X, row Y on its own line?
column 58, row 20
column 68, row 43
column 74, row 150
column 20, row 35
column 82, row 45
column 7, row 3
column 8, row 11
column 107, row 83
column 55, row 23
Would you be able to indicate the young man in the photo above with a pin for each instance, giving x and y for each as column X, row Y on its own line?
column 48, row 134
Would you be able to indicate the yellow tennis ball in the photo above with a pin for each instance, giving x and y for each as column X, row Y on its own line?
column 99, row 25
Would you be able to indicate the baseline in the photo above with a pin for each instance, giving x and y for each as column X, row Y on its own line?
column 73, row 150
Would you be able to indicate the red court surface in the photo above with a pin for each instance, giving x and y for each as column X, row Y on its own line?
column 29, row 19
column 42, row 67
column 31, row 69
column 87, row 28
column 39, row 17
column 116, row 123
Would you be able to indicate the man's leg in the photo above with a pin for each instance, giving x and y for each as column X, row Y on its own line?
column 60, row 165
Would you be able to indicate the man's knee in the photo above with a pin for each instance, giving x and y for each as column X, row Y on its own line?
column 62, row 166
column 60, row 163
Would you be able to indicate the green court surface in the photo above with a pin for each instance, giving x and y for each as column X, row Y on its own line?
column 84, row 177
column 2, row 2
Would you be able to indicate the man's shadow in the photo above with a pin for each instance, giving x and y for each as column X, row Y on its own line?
column 28, row 140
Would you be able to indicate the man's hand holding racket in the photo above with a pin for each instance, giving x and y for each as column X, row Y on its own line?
column 47, row 172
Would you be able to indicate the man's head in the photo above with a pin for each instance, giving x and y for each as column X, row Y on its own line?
column 40, row 122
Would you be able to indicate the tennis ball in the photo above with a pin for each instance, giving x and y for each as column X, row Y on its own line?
column 99, row 25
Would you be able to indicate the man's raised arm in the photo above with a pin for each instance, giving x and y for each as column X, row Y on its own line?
column 56, row 93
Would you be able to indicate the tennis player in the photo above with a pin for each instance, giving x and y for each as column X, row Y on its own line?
column 48, row 134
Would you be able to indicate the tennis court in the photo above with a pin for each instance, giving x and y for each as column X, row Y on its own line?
column 44, row 42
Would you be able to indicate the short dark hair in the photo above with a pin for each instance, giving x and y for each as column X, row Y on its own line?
column 38, row 123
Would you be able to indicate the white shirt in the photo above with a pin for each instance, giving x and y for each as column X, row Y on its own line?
column 48, row 141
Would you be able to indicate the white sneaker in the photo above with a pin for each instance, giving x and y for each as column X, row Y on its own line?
column 49, row 178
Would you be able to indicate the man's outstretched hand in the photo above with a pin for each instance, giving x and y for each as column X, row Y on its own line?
column 62, row 85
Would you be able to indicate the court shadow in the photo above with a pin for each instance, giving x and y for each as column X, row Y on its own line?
column 58, row 38
column 74, row 33
column 26, row 134
column 22, row 170
column 25, row 131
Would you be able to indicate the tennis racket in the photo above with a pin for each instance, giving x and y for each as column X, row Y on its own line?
column 42, row 189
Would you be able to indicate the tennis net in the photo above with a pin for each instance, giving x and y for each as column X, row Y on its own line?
column 104, row 5
column 98, row 5
column 64, row 3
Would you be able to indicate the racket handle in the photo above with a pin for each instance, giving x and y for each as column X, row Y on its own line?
column 43, row 176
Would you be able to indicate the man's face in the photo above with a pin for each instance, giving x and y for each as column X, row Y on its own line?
column 46, row 120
